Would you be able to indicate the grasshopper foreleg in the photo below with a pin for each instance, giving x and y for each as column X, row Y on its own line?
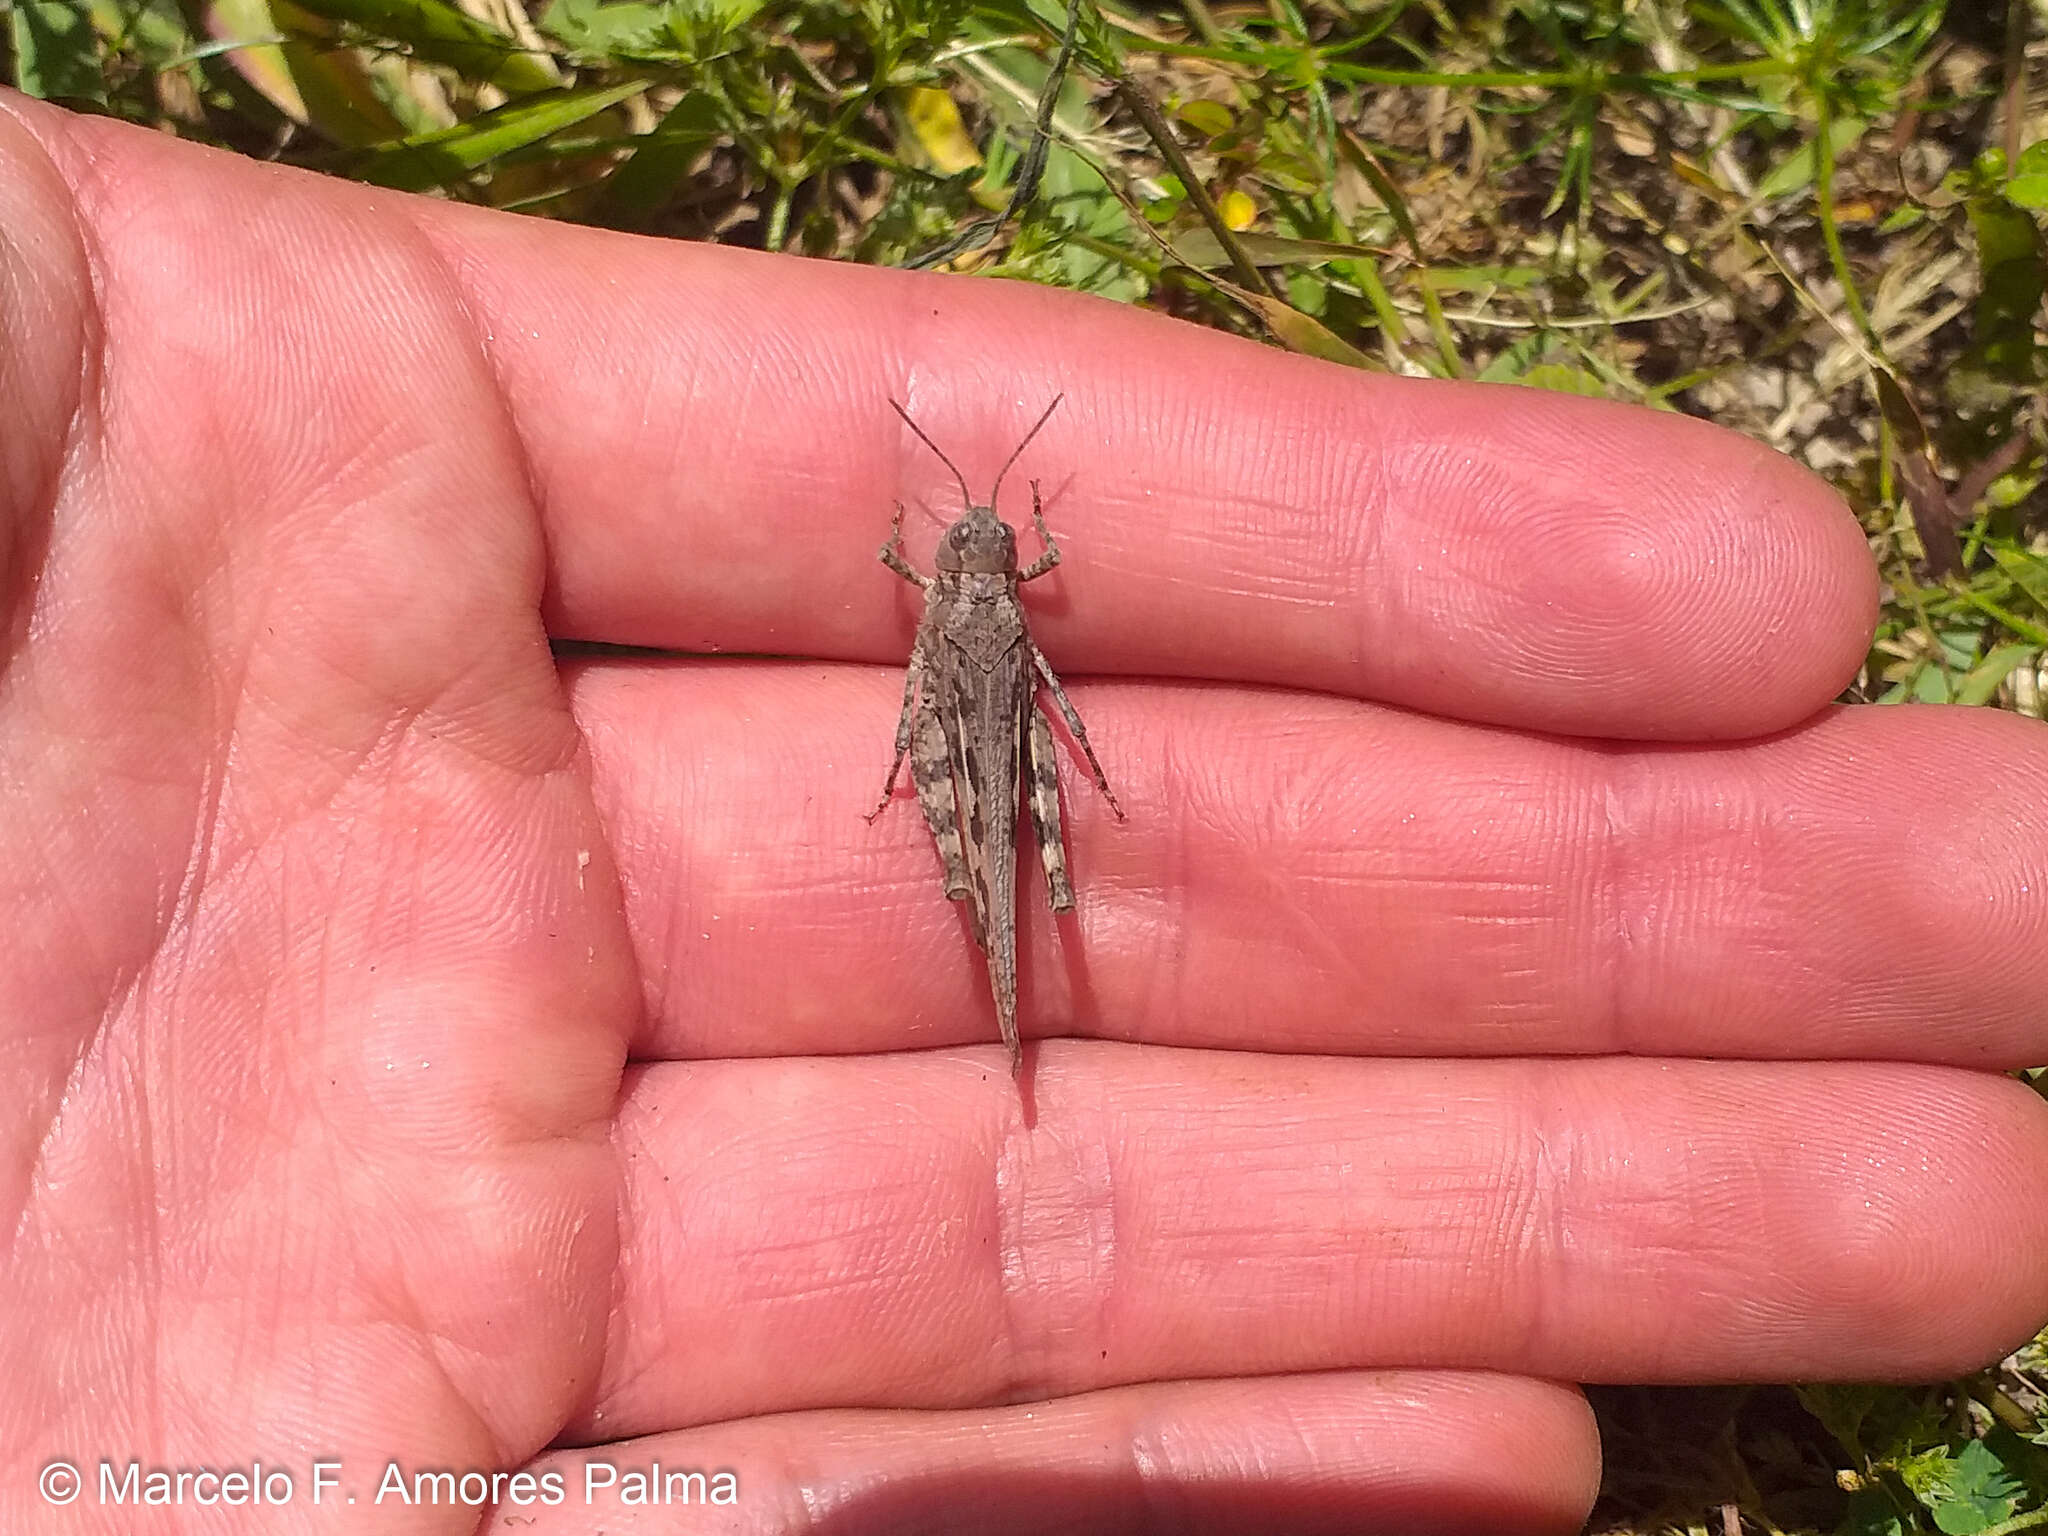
column 1051, row 555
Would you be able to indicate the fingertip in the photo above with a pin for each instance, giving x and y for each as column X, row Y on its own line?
column 1618, row 572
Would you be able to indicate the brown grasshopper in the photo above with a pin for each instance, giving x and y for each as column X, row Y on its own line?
column 972, row 725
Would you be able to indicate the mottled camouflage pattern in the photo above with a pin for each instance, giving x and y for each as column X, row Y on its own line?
column 973, row 729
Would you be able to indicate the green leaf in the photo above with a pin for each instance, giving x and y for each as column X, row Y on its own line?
column 1980, row 685
column 435, row 159
column 1172, row 197
column 1932, row 687
column 1564, row 379
column 2003, row 237
column 153, row 30
column 638, row 189
column 2014, row 276
column 1515, row 359
column 1870, row 1513
column 1200, row 248
column 1309, row 293
column 1208, row 118
column 1979, row 1493
column 722, row 15
column 2028, row 191
column 664, row 29
column 1796, row 171
column 440, row 34
column 1445, row 280
column 2028, row 571
column 56, row 53
column 609, row 31
column 1959, row 646
column 1082, row 208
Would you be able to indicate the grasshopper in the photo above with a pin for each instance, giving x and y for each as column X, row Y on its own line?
column 972, row 725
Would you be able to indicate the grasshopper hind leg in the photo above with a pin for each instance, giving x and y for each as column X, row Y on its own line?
column 1043, row 785
column 931, row 769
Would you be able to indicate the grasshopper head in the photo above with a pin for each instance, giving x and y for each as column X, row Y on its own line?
column 980, row 543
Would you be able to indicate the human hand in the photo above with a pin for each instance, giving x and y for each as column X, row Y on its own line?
column 419, row 1053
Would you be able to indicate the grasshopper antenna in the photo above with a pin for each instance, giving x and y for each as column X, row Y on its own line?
column 966, row 496
column 1056, row 399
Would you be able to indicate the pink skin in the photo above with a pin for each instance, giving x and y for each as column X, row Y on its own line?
column 1453, row 722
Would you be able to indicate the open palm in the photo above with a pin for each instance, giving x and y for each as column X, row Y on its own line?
column 419, row 1053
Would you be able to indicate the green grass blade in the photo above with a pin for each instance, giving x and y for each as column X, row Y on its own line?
column 1797, row 170
column 638, row 190
column 2028, row 571
column 440, row 34
column 1200, row 248
column 436, row 159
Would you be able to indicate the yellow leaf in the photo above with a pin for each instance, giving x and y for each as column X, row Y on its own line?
column 1209, row 118
column 936, row 122
column 1238, row 210
column 1296, row 331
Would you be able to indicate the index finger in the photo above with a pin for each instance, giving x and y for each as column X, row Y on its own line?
column 707, row 441
column 1226, row 510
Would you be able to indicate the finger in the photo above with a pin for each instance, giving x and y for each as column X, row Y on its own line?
column 1316, row 875
column 909, row 1235
column 708, row 438
column 1343, row 1452
column 1226, row 510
